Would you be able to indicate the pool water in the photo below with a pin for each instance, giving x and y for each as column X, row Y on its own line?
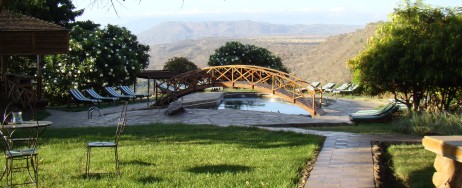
column 262, row 104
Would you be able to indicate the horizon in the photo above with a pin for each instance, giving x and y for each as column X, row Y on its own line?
column 141, row 15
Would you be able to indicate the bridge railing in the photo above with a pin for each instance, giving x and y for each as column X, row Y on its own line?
column 276, row 82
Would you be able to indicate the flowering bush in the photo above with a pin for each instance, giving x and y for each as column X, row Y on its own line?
column 236, row 53
column 97, row 57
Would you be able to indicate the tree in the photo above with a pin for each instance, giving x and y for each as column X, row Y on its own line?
column 416, row 53
column 180, row 65
column 98, row 57
column 236, row 53
column 60, row 12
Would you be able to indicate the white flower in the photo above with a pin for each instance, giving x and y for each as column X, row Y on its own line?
column 111, row 70
column 133, row 67
column 108, row 55
column 105, row 65
column 101, row 75
column 78, row 71
column 110, row 73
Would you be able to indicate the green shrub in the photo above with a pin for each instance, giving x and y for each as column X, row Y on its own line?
column 180, row 65
column 431, row 123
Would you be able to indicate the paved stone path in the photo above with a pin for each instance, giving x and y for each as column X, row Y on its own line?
column 344, row 161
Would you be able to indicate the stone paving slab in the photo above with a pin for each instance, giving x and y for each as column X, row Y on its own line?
column 345, row 159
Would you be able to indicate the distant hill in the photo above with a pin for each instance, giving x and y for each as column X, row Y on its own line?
column 170, row 32
column 310, row 58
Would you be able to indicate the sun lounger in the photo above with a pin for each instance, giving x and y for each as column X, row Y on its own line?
column 375, row 116
column 328, row 87
column 343, row 87
column 95, row 95
column 78, row 98
column 127, row 91
column 113, row 93
column 315, row 84
column 375, row 112
column 352, row 89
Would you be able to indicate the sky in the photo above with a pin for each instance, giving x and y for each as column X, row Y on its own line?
column 140, row 15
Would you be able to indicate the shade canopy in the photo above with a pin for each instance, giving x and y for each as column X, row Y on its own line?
column 156, row 74
column 25, row 35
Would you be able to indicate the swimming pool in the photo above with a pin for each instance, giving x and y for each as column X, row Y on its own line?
column 262, row 104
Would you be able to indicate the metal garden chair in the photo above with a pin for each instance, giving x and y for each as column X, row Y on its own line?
column 16, row 149
column 114, row 144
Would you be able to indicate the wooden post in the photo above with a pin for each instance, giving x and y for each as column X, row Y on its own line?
column 3, row 81
column 39, row 78
column 155, row 90
column 321, row 99
column 314, row 102
column 148, row 86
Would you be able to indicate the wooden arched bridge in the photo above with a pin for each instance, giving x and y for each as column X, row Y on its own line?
column 284, row 85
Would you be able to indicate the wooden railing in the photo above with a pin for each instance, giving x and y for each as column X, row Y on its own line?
column 20, row 93
column 284, row 85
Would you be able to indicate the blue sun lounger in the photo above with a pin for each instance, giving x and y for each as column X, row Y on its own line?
column 78, row 98
column 113, row 93
column 127, row 91
column 93, row 94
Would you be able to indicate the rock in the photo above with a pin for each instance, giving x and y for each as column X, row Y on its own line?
column 174, row 108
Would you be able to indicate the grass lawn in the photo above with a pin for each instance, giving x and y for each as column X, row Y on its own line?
column 412, row 164
column 176, row 155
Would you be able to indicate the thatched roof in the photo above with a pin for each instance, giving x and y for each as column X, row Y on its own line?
column 25, row 35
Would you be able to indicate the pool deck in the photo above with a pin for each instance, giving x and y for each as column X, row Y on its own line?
column 337, row 113
column 344, row 161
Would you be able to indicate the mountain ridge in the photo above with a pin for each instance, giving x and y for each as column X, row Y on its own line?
column 170, row 32
column 308, row 57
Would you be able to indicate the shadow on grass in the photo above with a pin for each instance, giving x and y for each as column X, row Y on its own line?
column 98, row 176
column 422, row 178
column 219, row 169
column 136, row 162
column 149, row 179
